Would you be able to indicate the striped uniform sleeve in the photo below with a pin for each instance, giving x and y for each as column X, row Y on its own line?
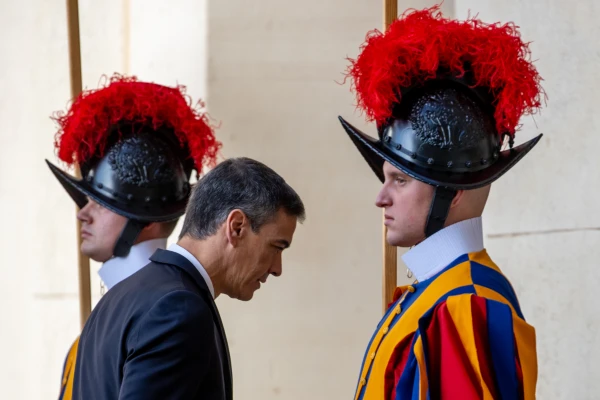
column 469, row 347
column 68, row 373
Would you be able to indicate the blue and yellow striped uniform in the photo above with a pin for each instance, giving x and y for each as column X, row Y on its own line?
column 458, row 335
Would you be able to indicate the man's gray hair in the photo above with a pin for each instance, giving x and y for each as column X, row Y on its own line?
column 238, row 183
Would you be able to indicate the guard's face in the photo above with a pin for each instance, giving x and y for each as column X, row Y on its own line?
column 406, row 202
column 100, row 229
column 258, row 255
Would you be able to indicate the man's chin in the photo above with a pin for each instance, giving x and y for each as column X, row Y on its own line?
column 244, row 296
column 92, row 254
column 399, row 241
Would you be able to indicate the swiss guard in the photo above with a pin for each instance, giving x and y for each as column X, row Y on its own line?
column 136, row 144
column 446, row 97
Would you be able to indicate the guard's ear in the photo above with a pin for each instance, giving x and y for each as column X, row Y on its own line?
column 150, row 226
column 457, row 198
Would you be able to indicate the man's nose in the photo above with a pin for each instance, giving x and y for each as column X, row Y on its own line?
column 83, row 215
column 383, row 199
column 277, row 269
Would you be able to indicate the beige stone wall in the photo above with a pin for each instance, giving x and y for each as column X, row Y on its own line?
column 273, row 68
column 39, row 299
column 269, row 71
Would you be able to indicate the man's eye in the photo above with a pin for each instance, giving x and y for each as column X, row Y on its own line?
column 401, row 180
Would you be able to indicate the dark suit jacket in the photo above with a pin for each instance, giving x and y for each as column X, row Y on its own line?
column 156, row 335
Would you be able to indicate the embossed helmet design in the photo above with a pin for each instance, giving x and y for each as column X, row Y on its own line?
column 445, row 95
column 136, row 144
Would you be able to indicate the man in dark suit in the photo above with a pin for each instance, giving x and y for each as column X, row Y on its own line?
column 158, row 333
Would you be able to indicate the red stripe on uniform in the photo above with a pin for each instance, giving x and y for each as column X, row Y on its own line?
column 450, row 374
column 482, row 343
column 396, row 366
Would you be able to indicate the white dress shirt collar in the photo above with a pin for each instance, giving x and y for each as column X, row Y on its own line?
column 437, row 251
column 117, row 269
column 180, row 250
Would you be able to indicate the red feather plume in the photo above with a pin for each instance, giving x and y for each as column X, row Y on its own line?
column 421, row 42
column 84, row 129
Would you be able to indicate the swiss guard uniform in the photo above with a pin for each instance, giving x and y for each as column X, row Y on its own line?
column 446, row 95
column 136, row 144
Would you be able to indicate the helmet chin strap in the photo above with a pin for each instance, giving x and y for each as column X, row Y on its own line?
column 128, row 236
column 438, row 212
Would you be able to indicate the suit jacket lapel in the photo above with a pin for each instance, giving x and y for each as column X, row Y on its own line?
column 168, row 257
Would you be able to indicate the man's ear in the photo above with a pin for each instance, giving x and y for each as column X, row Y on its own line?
column 457, row 199
column 151, row 226
column 236, row 226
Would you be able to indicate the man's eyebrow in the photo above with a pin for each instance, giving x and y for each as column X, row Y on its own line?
column 397, row 174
